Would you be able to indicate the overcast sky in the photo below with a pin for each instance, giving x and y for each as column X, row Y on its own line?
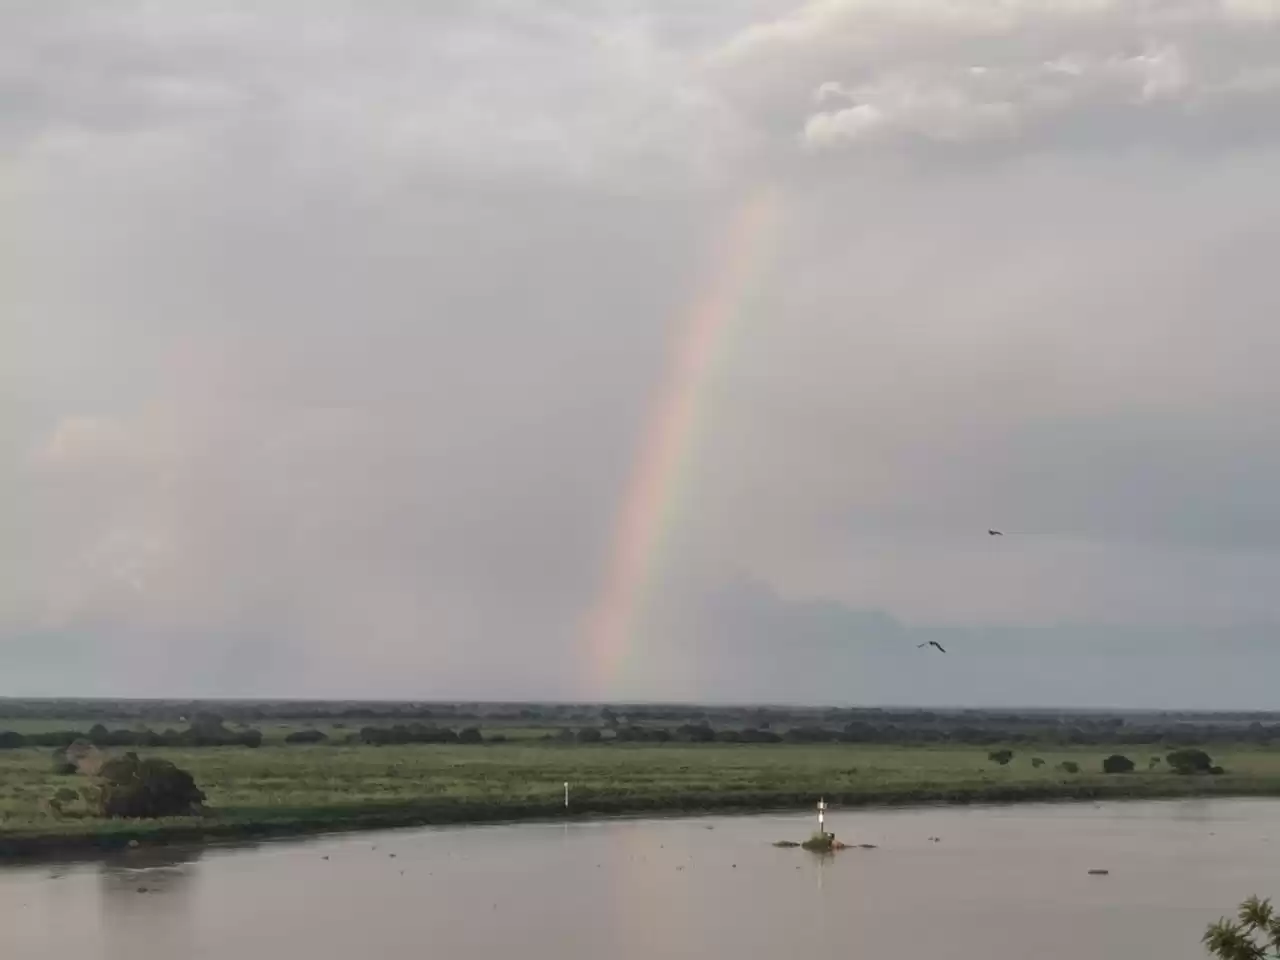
column 330, row 332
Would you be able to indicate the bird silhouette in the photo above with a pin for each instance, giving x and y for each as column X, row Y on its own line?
column 994, row 533
column 931, row 643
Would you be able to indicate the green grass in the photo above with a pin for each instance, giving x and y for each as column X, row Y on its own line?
column 279, row 789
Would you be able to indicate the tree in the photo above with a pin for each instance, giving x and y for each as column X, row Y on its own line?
column 1117, row 763
column 589, row 735
column 1253, row 935
column 696, row 732
column 1001, row 757
column 470, row 735
column 150, row 788
column 1189, row 761
column 306, row 736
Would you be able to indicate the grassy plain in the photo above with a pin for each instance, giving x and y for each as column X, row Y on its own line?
column 297, row 789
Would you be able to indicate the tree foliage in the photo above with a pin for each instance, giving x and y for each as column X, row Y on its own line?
column 1001, row 757
column 130, row 787
column 408, row 733
column 1189, row 761
column 1253, row 935
column 1117, row 763
column 307, row 736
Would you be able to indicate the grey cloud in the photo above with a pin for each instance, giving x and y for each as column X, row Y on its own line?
column 334, row 337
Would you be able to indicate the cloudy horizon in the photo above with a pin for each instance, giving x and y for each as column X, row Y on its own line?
column 333, row 334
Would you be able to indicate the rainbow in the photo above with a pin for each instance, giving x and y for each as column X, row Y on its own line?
column 666, row 440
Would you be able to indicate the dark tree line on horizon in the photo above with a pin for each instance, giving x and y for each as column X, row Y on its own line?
column 478, row 723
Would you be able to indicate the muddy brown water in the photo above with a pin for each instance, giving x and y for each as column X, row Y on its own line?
column 999, row 883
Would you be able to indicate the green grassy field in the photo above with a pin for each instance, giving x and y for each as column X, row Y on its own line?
column 278, row 789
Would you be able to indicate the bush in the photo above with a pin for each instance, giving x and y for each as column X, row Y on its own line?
column 1037, row 762
column 413, row 733
column 820, row 843
column 470, row 735
column 1001, row 757
column 1069, row 766
column 589, row 735
column 1189, row 761
column 306, row 736
column 148, row 789
column 695, row 733
column 1117, row 763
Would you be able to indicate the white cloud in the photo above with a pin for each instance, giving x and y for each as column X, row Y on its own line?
column 1028, row 71
column 984, row 102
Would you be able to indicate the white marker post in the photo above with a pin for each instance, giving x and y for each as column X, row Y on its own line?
column 822, row 815
column 566, row 794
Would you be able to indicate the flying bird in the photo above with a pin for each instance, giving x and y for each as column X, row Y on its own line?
column 931, row 643
column 994, row 533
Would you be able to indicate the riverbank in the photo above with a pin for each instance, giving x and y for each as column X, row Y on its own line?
column 501, row 786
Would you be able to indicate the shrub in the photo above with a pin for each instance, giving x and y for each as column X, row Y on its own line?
column 470, row 735
column 589, row 735
column 1001, row 757
column 1189, row 761
column 146, row 789
column 1117, row 763
column 695, row 732
column 820, row 843
column 1069, row 766
column 1037, row 762
column 413, row 733
column 306, row 736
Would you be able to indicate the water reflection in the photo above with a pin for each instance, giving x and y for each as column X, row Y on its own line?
column 148, row 894
column 1001, row 884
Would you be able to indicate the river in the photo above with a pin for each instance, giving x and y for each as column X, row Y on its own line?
column 999, row 883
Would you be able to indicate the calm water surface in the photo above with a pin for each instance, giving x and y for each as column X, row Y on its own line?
column 1001, row 884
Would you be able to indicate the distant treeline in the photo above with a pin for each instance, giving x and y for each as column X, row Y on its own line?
column 100, row 736
column 419, row 733
column 902, row 733
column 216, row 735
column 461, row 722
column 670, row 715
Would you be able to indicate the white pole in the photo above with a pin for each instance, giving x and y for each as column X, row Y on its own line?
column 822, row 810
column 566, row 794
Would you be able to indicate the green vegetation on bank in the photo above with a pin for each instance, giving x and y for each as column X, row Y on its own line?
column 278, row 789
